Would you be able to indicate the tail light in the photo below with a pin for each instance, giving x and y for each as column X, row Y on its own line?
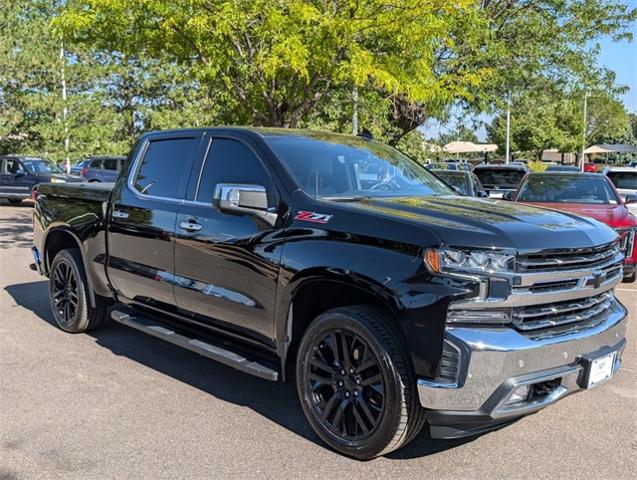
column 34, row 195
column 84, row 171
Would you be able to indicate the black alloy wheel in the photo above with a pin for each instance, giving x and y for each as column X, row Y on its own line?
column 346, row 381
column 65, row 295
column 356, row 383
column 69, row 294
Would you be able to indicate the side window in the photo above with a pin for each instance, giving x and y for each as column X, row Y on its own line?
column 110, row 164
column 12, row 166
column 95, row 164
column 161, row 168
column 230, row 161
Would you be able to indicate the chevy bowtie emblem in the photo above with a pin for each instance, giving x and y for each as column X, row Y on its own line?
column 598, row 279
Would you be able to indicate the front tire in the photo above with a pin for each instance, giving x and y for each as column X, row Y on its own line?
column 356, row 383
column 69, row 295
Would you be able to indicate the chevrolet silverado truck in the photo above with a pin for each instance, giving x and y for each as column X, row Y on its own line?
column 390, row 300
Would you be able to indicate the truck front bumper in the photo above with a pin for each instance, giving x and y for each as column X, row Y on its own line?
column 497, row 365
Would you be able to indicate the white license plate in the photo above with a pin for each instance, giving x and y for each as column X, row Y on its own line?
column 601, row 370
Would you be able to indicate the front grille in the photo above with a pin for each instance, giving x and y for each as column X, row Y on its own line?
column 567, row 259
column 553, row 286
column 533, row 317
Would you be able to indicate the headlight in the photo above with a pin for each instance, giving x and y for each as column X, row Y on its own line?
column 460, row 260
column 57, row 180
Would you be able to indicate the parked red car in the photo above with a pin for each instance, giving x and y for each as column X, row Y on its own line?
column 588, row 194
column 590, row 167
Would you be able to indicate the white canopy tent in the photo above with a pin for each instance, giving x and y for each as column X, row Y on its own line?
column 611, row 148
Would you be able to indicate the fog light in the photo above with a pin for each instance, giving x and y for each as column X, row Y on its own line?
column 519, row 395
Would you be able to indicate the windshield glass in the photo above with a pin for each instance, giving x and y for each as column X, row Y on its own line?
column 39, row 165
column 626, row 180
column 553, row 188
column 497, row 176
column 339, row 166
column 455, row 179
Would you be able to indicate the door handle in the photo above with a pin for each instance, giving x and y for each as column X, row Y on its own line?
column 119, row 214
column 190, row 226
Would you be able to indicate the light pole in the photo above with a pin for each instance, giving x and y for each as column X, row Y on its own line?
column 67, row 161
column 586, row 95
column 508, row 142
column 355, row 111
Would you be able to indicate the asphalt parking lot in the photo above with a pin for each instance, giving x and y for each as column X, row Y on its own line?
column 120, row 404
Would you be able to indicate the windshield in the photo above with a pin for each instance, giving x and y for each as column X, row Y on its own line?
column 627, row 180
column 455, row 179
column 41, row 166
column 497, row 176
column 567, row 189
column 338, row 166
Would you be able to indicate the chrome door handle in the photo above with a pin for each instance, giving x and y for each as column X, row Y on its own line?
column 119, row 214
column 190, row 226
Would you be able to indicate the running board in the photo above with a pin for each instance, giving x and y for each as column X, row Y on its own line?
column 213, row 352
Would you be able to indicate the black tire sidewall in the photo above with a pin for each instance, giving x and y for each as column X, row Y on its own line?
column 80, row 320
column 385, row 432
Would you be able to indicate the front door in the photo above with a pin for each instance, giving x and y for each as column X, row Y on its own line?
column 142, row 220
column 15, row 180
column 227, row 265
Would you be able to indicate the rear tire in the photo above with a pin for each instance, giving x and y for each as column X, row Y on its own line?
column 69, row 295
column 14, row 201
column 356, row 383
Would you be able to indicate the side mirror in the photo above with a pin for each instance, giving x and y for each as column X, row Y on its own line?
column 483, row 194
column 507, row 196
column 630, row 198
column 20, row 173
column 244, row 199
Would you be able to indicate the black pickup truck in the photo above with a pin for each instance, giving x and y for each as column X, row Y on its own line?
column 338, row 262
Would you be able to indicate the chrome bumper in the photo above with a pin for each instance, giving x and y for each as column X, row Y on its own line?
column 495, row 361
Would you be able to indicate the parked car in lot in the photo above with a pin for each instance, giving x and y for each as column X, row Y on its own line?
column 465, row 182
column 389, row 304
column 501, row 178
column 102, row 169
column 625, row 181
column 590, row 167
column 76, row 169
column 19, row 174
column 587, row 194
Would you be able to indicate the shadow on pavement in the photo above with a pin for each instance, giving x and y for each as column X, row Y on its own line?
column 275, row 401
column 15, row 229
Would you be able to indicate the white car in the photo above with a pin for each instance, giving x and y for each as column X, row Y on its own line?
column 625, row 180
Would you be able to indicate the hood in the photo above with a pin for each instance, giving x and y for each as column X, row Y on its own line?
column 477, row 222
column 614, row 216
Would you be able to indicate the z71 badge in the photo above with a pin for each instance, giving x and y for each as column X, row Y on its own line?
column 313, row 217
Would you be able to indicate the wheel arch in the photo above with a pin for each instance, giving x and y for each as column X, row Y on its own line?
column 61, row 238
column 314, row 292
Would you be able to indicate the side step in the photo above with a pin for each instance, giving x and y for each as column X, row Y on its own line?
column 221, row 355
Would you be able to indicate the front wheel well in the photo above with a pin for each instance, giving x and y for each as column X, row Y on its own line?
column 315, row 298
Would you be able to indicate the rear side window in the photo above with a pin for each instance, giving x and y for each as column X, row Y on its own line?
column 230, row 161
column 110, row 164
column 160, row 170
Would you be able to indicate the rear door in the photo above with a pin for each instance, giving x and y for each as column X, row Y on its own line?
column 110, row 169
column 226, row 264
column 142, row 219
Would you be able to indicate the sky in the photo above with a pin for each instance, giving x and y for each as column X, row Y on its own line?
column 621, row 57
